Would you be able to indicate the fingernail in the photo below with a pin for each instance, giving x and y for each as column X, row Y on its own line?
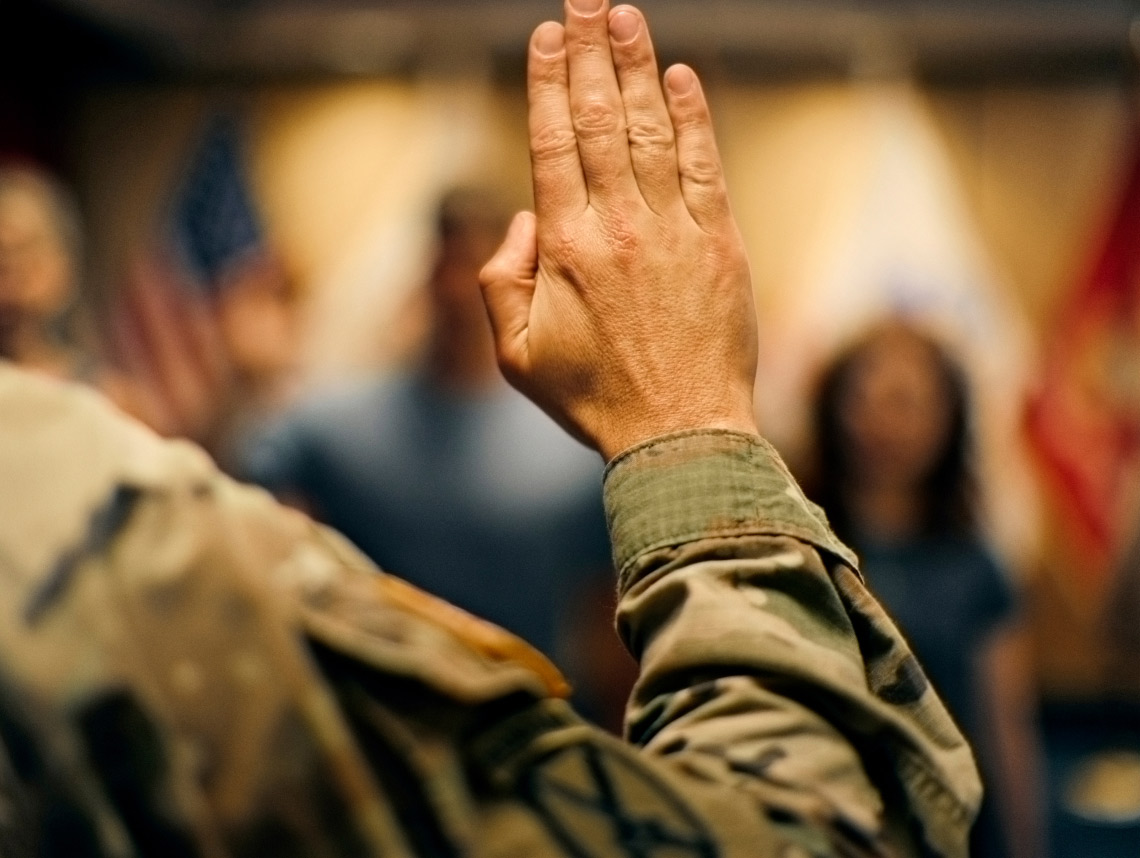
column 549, row 39
column 624, row 25
column 586, row 7
column 680, row 80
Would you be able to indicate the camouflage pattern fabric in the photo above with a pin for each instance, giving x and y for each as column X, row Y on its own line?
column 189, row 669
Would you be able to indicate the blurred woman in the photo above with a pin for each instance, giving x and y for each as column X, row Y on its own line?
column 894, row 476
column 184, row 364
column 41, row 249
column 44, row 323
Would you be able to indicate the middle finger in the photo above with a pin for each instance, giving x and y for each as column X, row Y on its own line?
column 596, row 104
column 652, row 148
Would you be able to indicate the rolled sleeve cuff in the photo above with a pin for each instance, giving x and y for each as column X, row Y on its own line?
column 704, row 484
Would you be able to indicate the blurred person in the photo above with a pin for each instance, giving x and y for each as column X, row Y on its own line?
column 45, row 325
column 893, row 472
column 445, row 472
column 41, row 252
column 192, row 365
column 187, row 668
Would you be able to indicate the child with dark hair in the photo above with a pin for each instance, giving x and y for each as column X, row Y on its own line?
column 893, row 473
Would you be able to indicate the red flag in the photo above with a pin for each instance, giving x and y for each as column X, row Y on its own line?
column 1084, row 419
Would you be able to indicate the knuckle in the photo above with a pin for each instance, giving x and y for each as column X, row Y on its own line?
column 726, row 259
column 546, row 76
column 552, row 143
column 596, row 118
column 622, row 237
column 690, row 116
column 649, row 136
column 701, row 171
column 561, row 241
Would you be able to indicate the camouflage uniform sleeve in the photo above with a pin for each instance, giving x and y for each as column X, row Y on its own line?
column 765, row 662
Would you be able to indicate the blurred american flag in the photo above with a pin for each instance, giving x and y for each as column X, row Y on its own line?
column 214, row 226
column 164, row 331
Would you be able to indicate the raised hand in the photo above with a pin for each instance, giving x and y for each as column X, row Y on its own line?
column 623, row 306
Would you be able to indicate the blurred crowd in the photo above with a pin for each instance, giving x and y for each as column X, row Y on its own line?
column 444, row 475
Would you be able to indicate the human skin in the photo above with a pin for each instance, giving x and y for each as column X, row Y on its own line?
column 623, row 305
column 37, row 277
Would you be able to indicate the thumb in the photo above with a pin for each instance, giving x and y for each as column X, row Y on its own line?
column 507, row 281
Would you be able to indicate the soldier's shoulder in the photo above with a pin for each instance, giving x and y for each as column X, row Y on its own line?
column 379, row 619
column 41, row 417
column 64, row 450
column 67, row 460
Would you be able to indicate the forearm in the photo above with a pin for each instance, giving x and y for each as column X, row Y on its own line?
column 764, row 661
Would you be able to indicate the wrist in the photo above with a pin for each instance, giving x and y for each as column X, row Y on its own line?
column 618, row 440
column 690, row 485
